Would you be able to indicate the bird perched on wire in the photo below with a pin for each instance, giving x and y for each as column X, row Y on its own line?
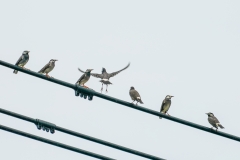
column 135, row 95
column 84, row 78
column 22, row 60
column 214, row 121
column 48, row 67
column 166, row 105
column 105, row 76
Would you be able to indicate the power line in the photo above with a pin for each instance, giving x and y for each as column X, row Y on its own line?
column 36, row 121
column 89, row 92
column 54, row 143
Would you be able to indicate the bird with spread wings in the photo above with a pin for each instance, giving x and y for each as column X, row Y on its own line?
column 105, row 76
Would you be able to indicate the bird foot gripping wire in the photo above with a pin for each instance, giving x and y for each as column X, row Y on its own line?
column 26, row 68
column 83, row 94
column 45, row 126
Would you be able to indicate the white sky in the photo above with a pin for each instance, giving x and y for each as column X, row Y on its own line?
column 189, row 49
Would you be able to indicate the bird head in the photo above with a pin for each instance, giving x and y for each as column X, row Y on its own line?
column 210, row 114
column 53, row 60
column 88, row 70
column 26, row 52
column 132, row 88
column 168, row 97
column 103, row 70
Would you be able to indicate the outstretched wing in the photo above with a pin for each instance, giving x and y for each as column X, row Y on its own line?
column 97, row 75
column 20, row 58
column 44, row 68
column 81, row 70
column 115, row 73
column 93, row 74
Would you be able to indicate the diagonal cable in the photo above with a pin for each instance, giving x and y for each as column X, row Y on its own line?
column 115, row 100
column 67, row 131
column 54, row 143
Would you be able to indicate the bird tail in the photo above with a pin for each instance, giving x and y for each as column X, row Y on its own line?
column 159, row 116
column 219, row 125
column 140, row 101
column 15, row 71
column 105, row 82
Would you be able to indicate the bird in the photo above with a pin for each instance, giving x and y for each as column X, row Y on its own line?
column 105, row 76
column 135, row 95
column 48, row 67
column 214, row 121
column 22, row 60
column 84, row 78
column 166, row 105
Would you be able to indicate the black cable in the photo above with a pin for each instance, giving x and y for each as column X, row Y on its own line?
column 54, row 143
column 89, row 92
column 36, row 121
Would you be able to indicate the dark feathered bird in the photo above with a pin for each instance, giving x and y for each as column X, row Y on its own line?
column 135, row 95
column 84, row 78
column 214, row 121
column 48, row 67
column 22, row 60
column 105, row 76
column 166, row 105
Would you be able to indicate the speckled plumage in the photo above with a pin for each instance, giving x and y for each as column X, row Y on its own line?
column 135, row 96
column 84, row 78
column 48, row 67
column 22, row 60
column 165, row 105
column 214, row 121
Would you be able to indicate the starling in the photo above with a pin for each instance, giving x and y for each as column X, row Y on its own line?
column 214, row 121
column 48, row 67
column 166, row 105
column 84, row 78
column 135, row 95
column 105, row 76
column 22, row 60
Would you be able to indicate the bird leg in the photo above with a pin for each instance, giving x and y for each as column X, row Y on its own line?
column 106, row 88
column 102, row 88
column 168, row 114
column 136, row 103
column 133, row 101
column 47, row 75
column 26, row 68
column 85, row 86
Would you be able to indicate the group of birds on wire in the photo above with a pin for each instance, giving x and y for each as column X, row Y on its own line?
column 135, row 96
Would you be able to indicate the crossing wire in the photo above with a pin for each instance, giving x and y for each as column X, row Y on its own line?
column 54, row 143
column 25, row 118
column 115, row 100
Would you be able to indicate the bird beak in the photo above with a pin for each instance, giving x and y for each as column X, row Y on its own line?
column 91, row 69
column 56, row 60
column 172, row 96
column 206, row 113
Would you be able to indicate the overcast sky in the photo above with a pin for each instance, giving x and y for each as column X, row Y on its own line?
column 188, row 49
